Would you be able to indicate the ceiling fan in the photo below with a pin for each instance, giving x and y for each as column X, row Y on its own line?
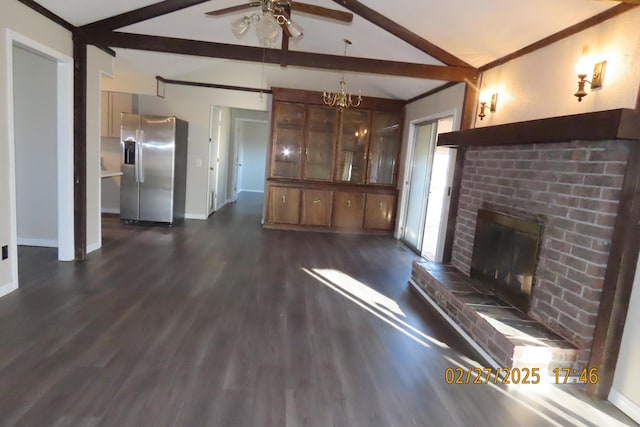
column 276, row 16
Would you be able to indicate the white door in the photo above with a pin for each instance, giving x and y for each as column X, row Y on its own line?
column 418, row 184
column 439, row 196
column 215, row 122
column 428, row 189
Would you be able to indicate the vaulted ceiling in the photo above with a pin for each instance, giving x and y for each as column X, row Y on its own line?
column 468, row 34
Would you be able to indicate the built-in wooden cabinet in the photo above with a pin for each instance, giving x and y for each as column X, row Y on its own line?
column 283, row 205
column 342, row 163
column 349, row 209
column 320, row 138
column 113, row 104
column 380, row 212
column 316, row 207
column 287, row 139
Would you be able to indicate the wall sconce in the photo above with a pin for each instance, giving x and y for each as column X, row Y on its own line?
column 484, row 100
column 582, row 70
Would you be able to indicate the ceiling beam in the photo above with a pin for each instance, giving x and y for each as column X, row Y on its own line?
column 562, row 34
column 402, row 33
column 141, row 14
column 275, row 56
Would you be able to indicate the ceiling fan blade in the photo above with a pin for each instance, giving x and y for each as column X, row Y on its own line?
column 233, row 9
column 312, row 9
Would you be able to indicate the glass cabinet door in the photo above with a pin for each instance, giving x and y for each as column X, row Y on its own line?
column 288, row 135
column 321, row 130
column 352, row 146
column 384, row 145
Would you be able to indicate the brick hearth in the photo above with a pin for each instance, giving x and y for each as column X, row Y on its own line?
column 507, row 335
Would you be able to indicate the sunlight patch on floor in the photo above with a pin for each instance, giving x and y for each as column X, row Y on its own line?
column 373, row 301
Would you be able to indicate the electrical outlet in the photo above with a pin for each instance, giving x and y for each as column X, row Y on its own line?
column 5, row 252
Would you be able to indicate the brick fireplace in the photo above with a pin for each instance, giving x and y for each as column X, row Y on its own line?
column 573, row 188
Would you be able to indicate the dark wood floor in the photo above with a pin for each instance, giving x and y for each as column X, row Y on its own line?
column 221, row 323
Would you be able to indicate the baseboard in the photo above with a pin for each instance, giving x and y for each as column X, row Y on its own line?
column 195, row 216
column 7, row 288
column 455, row 326
column 625, row 405
column 43, row 243
column 111, row 210
column 251, row 191
column 93, row 247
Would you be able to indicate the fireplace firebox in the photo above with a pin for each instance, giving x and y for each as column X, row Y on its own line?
column 505, row 253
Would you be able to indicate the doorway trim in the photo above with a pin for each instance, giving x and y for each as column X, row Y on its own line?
column 408, row 159
column 64, row 141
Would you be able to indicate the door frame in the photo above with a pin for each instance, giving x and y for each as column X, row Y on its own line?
column 212, row 207
column 64, row 142
column 408, row 161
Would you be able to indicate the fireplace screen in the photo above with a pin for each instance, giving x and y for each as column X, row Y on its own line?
column 505, row 252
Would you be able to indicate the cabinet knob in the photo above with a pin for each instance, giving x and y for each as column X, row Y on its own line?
column 349, row 203
column 284, row 199
column 381, row 206
column 316, row 201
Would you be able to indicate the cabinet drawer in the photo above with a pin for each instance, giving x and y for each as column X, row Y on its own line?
column 283, row 206
column 348, row 209
column 380, row 212
column 316, row 208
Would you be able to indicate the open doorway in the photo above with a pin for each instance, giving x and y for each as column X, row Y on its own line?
column 40, row 82
column 427, row 188
column 248, row 156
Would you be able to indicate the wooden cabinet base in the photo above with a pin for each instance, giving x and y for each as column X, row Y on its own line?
column 315, row 229
column 292, row 205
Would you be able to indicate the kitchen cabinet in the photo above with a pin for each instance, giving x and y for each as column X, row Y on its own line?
column 337, row 160
column 283, row 205
column 113, row 104
column 379, row 213
column 348, row 209
column 316, row 207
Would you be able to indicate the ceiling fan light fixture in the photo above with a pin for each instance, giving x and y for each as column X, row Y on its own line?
column 267, row 30
column 240, row 26
column 294, row 29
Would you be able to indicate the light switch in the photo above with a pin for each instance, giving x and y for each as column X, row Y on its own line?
column 198, row 163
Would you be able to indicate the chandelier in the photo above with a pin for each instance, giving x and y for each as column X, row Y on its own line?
column 341, row 99
column 274, row 19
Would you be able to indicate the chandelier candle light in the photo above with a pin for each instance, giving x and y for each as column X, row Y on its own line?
column 341, row 99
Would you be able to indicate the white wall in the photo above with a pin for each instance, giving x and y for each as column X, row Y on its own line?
column 253, row 139
column 110, row 161
column 35, row 130
column 542, row 83
column 625, row 392
column 19, row 19
column 98, row 64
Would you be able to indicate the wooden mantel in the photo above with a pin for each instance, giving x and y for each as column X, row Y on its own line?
column 598, row 126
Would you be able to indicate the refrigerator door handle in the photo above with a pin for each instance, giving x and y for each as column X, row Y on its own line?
column 140, row 158
column 137, row 157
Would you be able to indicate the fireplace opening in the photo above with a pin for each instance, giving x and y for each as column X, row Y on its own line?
column 505, row 253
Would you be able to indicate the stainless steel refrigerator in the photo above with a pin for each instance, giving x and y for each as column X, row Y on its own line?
column 154, row 168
